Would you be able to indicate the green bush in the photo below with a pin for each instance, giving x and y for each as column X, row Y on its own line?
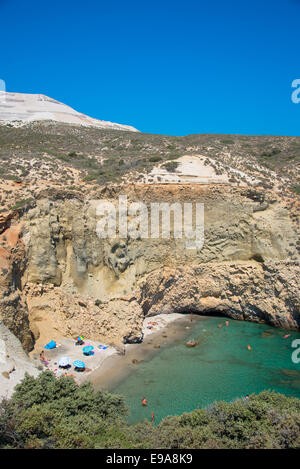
column 22, row 203
column 50, row 412
column 155, row 159
column 296, row 189
column 228, row 142
column 273, row 152
column 171, row 166
column 90, row 177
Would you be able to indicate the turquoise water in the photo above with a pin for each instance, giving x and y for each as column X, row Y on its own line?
column 179, row 379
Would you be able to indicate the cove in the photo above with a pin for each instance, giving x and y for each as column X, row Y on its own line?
column 178, row 379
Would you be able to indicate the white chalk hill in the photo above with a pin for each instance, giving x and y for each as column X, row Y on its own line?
column 23, row 108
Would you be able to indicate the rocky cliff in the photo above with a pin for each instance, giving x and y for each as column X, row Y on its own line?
column 59, row 278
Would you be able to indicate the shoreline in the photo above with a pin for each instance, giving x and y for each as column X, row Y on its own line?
column 168, row 329
column 108, row 366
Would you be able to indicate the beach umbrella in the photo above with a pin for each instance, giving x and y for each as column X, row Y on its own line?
column 50, row 345
column 79, row 364
column 79, row 337
column 102, row 347
column 87, row 350
column 64, row 361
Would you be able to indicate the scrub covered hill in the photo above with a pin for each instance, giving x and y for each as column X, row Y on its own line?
column 46, row 412
column 70, row 155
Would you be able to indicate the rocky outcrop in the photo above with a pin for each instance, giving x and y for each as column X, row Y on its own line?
column 14, row 362
column 60, row 274
column 240, row 225
column 55, row 312
column 13, row 311
column 252, row 291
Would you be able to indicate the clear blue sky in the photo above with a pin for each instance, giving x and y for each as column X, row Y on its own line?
column 166, row 67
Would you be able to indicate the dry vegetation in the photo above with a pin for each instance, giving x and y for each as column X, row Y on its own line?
column 44, row 153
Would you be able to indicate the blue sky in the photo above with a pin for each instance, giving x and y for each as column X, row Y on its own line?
column 166, row 67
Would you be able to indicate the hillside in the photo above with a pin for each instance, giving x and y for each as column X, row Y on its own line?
column 57, row 277
column 20, row 108
column 72, row 155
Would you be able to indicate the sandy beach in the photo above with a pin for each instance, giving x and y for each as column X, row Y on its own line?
column 107, row 365
column 159, row 331
column 67, row 348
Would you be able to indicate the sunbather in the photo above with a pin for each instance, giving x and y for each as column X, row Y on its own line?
column 43, row 358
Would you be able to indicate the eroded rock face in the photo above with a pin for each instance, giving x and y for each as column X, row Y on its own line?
column 249, row 291
column 248, row 267
column 115, row 322
column 14, row 362
column 13, row 311
column 240, row 225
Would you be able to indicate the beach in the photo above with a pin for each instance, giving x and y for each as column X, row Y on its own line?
column 108, row 365
column 165, row 329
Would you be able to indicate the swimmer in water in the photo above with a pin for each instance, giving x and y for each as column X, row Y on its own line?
column 152, row 417
column 144, row 402
column 226, row 323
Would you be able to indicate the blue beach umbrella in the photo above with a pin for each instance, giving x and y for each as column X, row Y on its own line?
column 50, row 345
column 87, row 350
column 79, row 364
column 64, row 361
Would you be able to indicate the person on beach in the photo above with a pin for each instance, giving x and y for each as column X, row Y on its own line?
column 43, row 358
column 144, row 402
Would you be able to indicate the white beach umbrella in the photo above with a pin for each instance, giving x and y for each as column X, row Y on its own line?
column 64, row 361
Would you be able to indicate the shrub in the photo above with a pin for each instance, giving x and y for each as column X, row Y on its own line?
column 90, row 177
column 296, row 189
column 22, row 203
column 50, row 412
column 228, row 142
column 171, row 166
column 155, row 159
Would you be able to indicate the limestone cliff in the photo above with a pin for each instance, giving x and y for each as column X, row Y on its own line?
column 59, row 278
column 64, row 278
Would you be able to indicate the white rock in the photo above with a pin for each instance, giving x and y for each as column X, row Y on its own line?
column 13, row 361
column 23, row 108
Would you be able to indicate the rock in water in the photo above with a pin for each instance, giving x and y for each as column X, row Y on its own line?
column 191, row 343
